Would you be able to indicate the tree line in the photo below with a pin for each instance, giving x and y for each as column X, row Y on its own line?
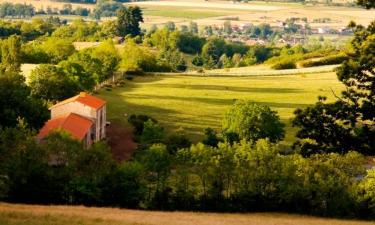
column 241, row 169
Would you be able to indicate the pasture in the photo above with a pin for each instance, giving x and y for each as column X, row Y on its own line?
column 15, row 214
column 193, row 103
column 215, row 12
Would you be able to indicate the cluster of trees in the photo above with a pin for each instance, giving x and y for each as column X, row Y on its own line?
column 242, row 176
column 16, row 10
column 30, row 30
column 349, row 122
column 75, row 72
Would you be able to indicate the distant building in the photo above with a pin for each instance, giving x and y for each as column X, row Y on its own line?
column 83, row 116
column 323, row 30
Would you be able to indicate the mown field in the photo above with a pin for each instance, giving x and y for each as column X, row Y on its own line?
column 14, row 214
column 193, row 103
column 216, row 12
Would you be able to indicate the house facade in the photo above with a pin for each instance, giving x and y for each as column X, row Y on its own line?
column 83, row 116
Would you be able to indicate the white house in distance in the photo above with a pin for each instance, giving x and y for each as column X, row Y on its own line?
column 83, row 116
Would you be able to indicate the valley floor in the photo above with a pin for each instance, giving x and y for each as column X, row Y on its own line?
column 17, row 214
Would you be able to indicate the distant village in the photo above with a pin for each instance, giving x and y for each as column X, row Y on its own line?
column 289, row 32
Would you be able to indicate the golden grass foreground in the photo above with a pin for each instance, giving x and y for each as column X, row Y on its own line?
column 17, row 214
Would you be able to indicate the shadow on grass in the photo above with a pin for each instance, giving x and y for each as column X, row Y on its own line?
column 216, row 101
column 230, row 88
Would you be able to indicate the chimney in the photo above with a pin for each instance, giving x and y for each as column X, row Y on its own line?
column 82, row 94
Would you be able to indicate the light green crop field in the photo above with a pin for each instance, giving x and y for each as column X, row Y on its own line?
column 193, row 103
column 17, row 214
column 186, row 12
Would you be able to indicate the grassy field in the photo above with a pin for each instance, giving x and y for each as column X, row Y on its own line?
column 215, row 12
column 192, row 103
column 186, row 12
column 14, row 214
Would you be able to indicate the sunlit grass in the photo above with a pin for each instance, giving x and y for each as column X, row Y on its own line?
column 194, row 103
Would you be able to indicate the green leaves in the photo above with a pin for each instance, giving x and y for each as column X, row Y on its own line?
column 252, row 122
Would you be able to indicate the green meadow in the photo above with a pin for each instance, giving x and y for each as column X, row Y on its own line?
column 192, row 103
column 183, row 12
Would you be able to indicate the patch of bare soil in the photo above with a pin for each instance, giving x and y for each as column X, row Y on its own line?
column 120, row 139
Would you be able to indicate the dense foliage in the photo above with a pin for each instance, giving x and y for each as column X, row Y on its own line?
column 251, row 122
column 244, row 176
column 349, row 122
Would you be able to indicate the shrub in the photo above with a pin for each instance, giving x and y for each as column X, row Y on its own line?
column 252, row 122
column 328, row 60
column 286, row 64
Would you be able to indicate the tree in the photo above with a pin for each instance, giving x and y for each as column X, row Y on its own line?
column 349, row 122
column 51, row 83
column 16, row 103
column 211, row 53
column 366, row 3
column 211, row 138
column 58, row 49
column 227, row 27
column 252, row 122
column 128, row 20
column 137, row 58
column 152, row 133
column 11, row 54
column 193, row 27
column 157, row 162
column 108, row 56
column 170, row 26
column 367, row 187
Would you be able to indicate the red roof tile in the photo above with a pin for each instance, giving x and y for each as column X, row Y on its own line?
column 84, row 98
column 76, row 125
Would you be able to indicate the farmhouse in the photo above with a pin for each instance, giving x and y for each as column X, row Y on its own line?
column 83, row 116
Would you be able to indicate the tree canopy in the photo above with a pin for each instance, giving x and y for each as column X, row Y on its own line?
column 349, row 122
column 252, row 122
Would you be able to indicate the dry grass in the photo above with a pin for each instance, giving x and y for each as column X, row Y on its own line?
column 38, row 4
column 253, row 12
column 15, row 214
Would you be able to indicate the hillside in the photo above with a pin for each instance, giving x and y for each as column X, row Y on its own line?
column 13, row 214
column 193, row 103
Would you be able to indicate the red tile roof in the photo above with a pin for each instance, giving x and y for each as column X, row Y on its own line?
column 76, row 125
column 84, row 98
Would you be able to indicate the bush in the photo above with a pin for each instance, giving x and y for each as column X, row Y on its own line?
column 328, row 60
column 252, row 122
column 138, row 122
column 286, row 64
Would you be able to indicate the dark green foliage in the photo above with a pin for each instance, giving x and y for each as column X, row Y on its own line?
column 347, row 123
column 240, row 177
column 11, row 54
column 252, row 122
column 328, row 60
column 49, row 82
column 211, row 138
column 173, row 59
column 286, row 64
column 368, row 4
column 16, row 103
column 259, row 54
column 175, row 142
column 190, row 43
column 16, row 10
column 106, row 9
column 197, row 61
column 215, row 47
column 128, row 20
column 137, row 121
column 152, row 133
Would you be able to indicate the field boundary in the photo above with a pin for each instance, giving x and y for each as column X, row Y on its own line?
column 311, row 70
